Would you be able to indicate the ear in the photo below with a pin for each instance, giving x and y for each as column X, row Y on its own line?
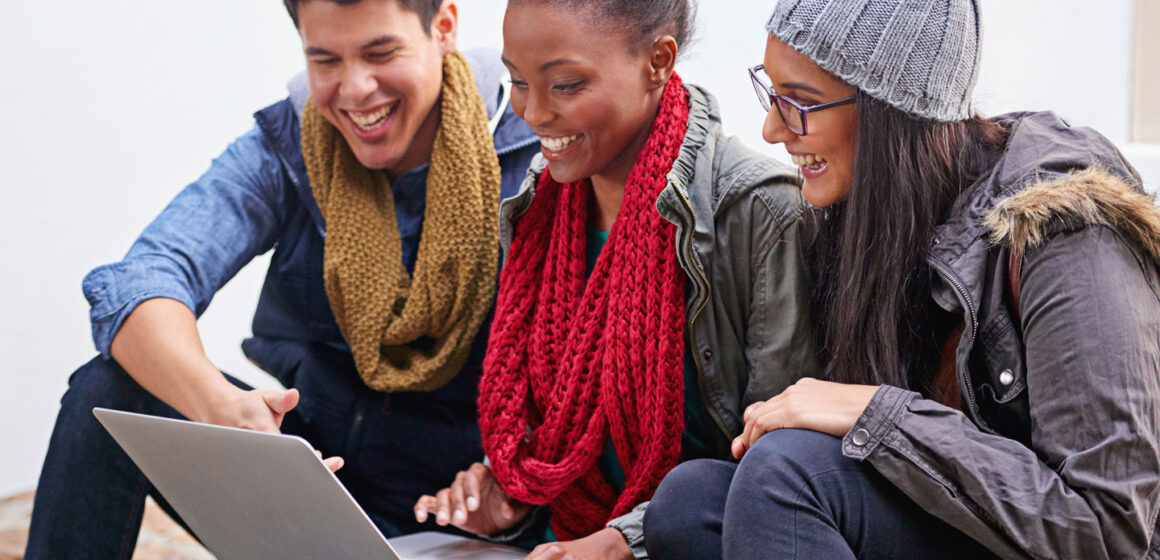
column 445, row 26
column 662, row 58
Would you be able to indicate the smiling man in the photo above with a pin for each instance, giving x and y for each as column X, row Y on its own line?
column 377, row 183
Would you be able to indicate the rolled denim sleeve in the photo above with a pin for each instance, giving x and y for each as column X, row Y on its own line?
column 1090, row 485
column 200, row 240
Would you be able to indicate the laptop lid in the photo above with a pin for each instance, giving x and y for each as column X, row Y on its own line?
column 253, row 495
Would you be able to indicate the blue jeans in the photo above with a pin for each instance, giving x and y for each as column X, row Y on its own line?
column 90, row 498
column 793, row 495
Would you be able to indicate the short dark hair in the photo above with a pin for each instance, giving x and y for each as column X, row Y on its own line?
column 426, row 9
column 645, row 19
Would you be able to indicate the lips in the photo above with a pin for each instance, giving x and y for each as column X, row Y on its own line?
column 557, row 143
column 372, row 120
column 812, row 165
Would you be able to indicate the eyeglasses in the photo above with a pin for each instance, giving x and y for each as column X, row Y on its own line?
column 793, row 114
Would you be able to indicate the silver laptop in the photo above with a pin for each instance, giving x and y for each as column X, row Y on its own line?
column 250, row 495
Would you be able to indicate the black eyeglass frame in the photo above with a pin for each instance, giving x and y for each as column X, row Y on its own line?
column 769, row 98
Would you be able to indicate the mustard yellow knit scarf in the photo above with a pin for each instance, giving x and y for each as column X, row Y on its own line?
column 380, row 308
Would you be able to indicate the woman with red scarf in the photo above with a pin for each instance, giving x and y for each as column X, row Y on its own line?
column 652, row 288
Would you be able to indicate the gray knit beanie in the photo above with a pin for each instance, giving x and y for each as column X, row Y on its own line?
column 921, row 56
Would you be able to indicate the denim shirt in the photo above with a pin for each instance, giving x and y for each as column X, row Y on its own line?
column 255, row 197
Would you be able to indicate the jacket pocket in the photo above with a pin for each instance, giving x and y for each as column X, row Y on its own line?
column 999, row 371
column 1002, row 374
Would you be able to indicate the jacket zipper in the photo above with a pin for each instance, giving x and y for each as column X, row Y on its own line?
column 963, row 374
column 709, row 293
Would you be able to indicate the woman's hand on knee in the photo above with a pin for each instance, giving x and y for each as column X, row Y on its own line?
column 605, row 544
column 475, row 502
column 810, row 404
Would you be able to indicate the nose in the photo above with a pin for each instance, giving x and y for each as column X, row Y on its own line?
column 532, row 108
column 358, row 82
column 774, row 130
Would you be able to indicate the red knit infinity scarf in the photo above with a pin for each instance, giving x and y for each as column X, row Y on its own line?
column 573, row 361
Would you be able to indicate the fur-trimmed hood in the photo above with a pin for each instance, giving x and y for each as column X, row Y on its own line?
column 1087, row 197
column 1051, row 177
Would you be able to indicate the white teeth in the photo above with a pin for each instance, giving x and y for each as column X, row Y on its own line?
column 371, row 121
column 557, row 143
column 812, row 160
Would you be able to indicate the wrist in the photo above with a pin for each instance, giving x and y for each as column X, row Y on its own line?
column 207, row 396
column 615, row 545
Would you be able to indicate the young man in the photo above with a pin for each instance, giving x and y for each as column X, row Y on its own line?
column 380, row 196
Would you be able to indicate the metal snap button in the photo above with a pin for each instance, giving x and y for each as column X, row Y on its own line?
column 860, row 437
column 708, row 355
column 1006, row 377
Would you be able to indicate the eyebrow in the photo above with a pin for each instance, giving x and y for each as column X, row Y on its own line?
column 379, row 41
column 545, row 66
column 801, row 86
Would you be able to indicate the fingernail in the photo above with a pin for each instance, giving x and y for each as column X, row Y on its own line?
column 441, row 518
column 460, row 516
column 472, row 503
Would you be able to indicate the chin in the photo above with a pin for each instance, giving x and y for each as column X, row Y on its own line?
column 821, row 196
column 375, row 158
column 563, row 174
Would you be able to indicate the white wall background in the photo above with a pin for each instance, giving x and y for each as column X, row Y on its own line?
column 108, row 108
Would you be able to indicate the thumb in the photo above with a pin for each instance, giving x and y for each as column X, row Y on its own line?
column 281, row 402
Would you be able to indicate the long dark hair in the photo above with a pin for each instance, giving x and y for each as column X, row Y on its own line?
column 872, row 289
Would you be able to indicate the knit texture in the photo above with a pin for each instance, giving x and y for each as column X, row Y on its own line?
column 921, row 56
column 572, row 361
column 379, row 307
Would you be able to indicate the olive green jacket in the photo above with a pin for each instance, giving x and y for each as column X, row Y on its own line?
column 738, row 239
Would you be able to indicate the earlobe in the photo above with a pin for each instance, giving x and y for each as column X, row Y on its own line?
column 445, row 26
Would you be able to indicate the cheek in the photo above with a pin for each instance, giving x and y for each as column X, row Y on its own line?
column 322, row 81
column 518, row 101
column 614, row 126
column 323, row 91
column 406, row 79
column 849, row 144
column 847, row 162
column 426, row 84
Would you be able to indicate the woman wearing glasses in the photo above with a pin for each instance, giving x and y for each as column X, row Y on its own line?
column 653, row 285
column 988, row 317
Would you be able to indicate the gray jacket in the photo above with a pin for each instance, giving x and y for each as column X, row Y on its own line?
column 737, row 218
column 1056, row 453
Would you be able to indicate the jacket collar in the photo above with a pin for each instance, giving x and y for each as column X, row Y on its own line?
column 703, row 119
